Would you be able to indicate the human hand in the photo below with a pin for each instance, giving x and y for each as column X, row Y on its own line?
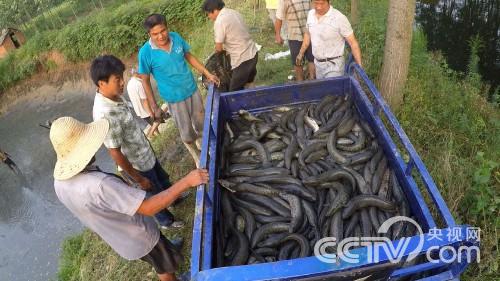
column 213, row 78
column 144, row 183
column 158, row 114
column 196, row 177
column 299, row 58
column 278, row 39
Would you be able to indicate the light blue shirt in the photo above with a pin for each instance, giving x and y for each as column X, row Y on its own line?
column 170, row 70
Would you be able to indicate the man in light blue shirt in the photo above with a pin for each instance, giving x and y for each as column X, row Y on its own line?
column 164, row 56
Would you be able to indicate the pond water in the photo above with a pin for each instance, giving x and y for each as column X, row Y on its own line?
column 33, row 223
column 450, row 25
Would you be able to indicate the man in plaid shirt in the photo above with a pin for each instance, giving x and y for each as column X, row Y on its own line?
column 294, row 13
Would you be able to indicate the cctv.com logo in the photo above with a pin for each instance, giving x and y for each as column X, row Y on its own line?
column 395, row 251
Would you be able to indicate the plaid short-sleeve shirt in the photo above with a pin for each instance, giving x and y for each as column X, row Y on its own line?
column 294, row 12
column 124, row 132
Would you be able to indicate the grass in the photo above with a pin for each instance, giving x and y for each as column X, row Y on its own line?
column 455, row 131
column 65, row 13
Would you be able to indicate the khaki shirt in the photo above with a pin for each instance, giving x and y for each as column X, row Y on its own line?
column 328, row 33
column 294, row 12
column 232, row 32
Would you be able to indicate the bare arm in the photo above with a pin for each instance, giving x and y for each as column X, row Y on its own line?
column 148, row 89
column 355, row 49
column 306, row 42
column 195, row 63
column 303, row 48
column 158, row 202
column 146, row 105
column 277, row 31
column 123, row 162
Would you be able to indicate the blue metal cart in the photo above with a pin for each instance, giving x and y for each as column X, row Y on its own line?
column 433, row 216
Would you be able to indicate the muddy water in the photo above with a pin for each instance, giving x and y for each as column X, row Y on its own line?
column 32, row 221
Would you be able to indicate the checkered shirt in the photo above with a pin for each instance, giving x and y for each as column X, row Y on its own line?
column 124, row 132
column 294, row 12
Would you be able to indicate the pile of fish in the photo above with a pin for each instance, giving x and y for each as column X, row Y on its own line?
column 292, row 176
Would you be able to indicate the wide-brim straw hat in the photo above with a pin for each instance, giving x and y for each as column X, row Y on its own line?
column 75, row 144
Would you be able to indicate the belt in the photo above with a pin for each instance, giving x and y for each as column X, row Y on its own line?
column 328, row 59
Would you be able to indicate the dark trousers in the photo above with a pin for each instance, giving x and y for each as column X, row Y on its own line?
column 160, row 181
column 243, row 74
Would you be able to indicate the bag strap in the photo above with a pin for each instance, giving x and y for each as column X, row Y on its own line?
column 297, row 17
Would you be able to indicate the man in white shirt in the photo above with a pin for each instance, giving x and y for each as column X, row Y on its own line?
column 327, row 31
column 232, row 35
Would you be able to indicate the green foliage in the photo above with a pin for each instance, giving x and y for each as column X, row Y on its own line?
column 117, row 30
column 72, row 254
column 483, row 208
column 484, row 198
column 16, row 13
column 23, row 62
column 55, row 17
column 473, row 76
column 449, row 124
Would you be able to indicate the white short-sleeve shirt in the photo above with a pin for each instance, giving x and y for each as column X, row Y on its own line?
column 108, row 206
column 328, row 33
column 136, row 94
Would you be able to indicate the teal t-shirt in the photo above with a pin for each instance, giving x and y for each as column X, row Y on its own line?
column 170, row 70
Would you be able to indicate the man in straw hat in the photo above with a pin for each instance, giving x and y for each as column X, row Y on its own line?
column 125, row 141
column 118, row 213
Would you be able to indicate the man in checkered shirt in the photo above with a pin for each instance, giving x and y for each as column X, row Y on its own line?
column 294, row 13
column 125, row 141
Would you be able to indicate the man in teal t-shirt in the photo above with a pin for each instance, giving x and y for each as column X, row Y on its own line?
column 164, row 56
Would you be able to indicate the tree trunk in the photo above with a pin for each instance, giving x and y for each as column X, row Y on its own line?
column 354, row 12
column 397, row 51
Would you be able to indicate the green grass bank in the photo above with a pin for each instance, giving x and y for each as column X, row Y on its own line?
column 453, row 128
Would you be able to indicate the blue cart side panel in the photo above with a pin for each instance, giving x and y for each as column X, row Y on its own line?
column 266, row 98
